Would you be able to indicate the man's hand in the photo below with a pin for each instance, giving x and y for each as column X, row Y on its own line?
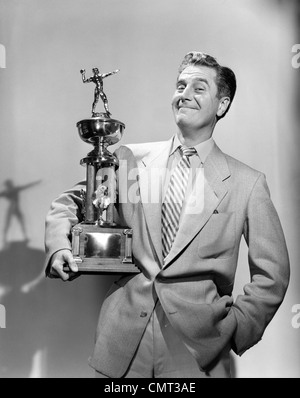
column 61, row 259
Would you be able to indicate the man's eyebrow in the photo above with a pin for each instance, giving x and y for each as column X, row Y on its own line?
column 200, row 79
column 180, row 81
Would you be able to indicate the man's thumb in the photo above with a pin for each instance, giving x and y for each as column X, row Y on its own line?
column 71, row 262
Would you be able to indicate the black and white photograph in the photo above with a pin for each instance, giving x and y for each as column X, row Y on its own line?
column 149, row 191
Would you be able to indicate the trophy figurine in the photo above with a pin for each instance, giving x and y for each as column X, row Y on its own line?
column 99, row 245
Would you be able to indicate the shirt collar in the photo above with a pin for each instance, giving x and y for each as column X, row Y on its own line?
column 202, row 149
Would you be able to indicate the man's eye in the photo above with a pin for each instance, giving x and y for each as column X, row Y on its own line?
column 180, row 88
column 199, row 89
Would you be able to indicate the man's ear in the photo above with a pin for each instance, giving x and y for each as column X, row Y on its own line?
column 223, row 106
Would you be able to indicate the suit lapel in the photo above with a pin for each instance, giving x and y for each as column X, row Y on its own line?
column 208, row 192
column 152, row 171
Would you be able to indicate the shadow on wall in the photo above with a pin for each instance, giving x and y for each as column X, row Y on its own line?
column 12, row 194
column 50, row 325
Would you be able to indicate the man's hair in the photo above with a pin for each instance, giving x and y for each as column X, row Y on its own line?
column 225, row 79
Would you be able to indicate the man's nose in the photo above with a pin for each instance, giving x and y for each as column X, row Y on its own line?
column 186, row 95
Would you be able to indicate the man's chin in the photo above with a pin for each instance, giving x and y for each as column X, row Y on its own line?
column 182, row 119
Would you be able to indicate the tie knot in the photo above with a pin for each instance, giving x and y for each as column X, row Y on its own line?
column 187, row 151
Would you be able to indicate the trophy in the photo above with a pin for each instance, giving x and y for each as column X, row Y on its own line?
column 99, row 245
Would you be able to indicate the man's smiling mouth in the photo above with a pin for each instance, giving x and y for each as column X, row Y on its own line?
column 186, row 107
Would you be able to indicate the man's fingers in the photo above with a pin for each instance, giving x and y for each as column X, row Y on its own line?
column 58, row 271
column 69, row 260
column 63, row 266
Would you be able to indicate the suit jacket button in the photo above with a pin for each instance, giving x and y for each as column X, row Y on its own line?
column 143, row 314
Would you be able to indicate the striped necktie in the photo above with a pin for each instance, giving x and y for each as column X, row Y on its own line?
column 172, row 205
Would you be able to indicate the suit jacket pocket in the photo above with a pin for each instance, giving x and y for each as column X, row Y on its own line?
column 217, row 237
column 205, row 328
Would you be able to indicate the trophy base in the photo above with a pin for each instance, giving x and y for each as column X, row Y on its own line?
column 103, row 250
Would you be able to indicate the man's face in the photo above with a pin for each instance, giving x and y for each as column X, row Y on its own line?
column 195, row 103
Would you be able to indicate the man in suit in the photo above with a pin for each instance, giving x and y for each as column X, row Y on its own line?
column 177, row 317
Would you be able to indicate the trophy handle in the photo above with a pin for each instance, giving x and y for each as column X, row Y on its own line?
column 128, row 246
column 76, row 232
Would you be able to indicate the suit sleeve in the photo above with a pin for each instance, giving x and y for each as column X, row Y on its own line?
column 269, row 269
column 65, row 212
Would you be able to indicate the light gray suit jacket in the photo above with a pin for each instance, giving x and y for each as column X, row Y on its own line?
column 195, row 282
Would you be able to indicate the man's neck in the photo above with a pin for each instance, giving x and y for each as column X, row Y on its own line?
column 190, row 139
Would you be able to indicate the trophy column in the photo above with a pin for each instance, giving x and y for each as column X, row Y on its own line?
column 100, row 185
column 89, row 216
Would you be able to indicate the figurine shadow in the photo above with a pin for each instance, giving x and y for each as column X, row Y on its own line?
column 50, row 324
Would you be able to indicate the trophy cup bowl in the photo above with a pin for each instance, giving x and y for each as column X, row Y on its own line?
column 100, row 131
column 92, row 129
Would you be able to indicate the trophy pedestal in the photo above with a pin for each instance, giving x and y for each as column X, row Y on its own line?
column 103, row 250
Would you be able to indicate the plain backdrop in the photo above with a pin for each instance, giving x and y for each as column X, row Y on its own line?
column 50, row 325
